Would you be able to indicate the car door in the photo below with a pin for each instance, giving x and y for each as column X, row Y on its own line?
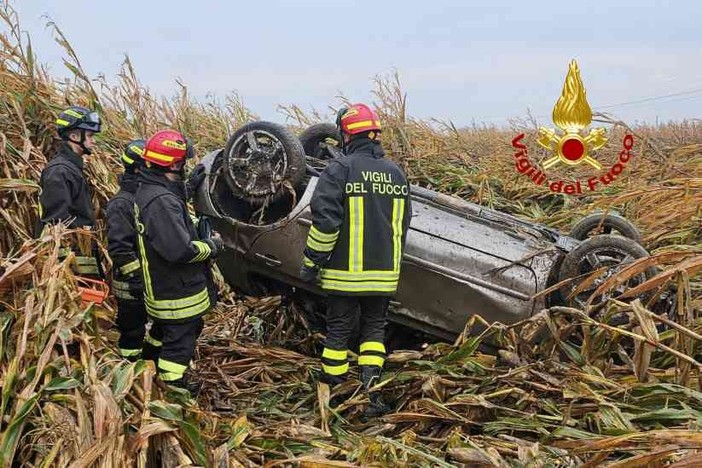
column 455, row 266
column 278, row 250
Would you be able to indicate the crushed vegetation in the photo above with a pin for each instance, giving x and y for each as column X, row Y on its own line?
column 565, row 388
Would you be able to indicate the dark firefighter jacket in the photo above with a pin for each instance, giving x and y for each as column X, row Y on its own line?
column 65, row 193
column 173, row 259
column 65, row 196
column 360, row 215
column 122, row 241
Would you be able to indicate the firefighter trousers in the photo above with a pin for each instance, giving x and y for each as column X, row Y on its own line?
column 342, row 313
column 178, row 342
column 135, row 340
column 131, row 323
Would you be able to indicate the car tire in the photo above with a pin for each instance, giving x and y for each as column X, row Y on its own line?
column 609, row 222
column 259, row 158
column 315, row 138
column 614, row 250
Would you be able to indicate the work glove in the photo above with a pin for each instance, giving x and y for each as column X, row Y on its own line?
column 216, row 244
column 309, row 274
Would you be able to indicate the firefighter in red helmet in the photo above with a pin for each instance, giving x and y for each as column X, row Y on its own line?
column 360, row 216
column 127, row 283
column 174, row 260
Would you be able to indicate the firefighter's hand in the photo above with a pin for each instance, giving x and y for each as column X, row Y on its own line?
column 216, row 244
column 309, row 274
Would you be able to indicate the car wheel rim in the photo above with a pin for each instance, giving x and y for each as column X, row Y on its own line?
column 613, row 260
column 257, row 163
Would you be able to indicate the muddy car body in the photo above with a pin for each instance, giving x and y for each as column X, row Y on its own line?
column 460, row 258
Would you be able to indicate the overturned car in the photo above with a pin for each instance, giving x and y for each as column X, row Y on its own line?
column 460, row 258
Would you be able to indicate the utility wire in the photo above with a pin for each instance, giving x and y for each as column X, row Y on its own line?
column 672, row 97
column 653, row 98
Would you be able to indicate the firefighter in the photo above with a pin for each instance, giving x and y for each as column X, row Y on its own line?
column 174, row 260
column 360, row 215
column 127, row 283
column 64, row 194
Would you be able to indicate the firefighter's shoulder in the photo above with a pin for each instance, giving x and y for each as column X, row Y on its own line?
column 162, row 204
column 336, row 168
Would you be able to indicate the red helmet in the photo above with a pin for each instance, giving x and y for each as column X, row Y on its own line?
column 357, row 118
column 166, row 148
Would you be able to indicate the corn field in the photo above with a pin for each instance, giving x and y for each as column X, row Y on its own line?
column 564, row 388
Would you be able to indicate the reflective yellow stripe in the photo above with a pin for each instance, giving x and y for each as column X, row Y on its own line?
column 360, row 286
column 334, row 354
column 179, row 303
column 152, row 341
column 86, row 270
column 73, row 113
column 319, row 246
column 208, row 250
column 142, row 251
column 322, row 237
column 86, row 265
column 83, row 260
column 167, row 309
column 62, row 122
column 363, row 123
column 158, row 156
column 204, row 251
column 198, row 254
column 170, row 366
column 120, row 285
column 130, row 267
column 169, row 376
column 355, row 233
column 361, row 227
column 129, row 352
column 127, row 159
column 122, row 290
column 173, row 309
column 368, row 275
column 371, row 361
column 137, row 149
column 353, row 226
column 335, row 370
column 372, row 346
column 307, row 262
column 398, row 212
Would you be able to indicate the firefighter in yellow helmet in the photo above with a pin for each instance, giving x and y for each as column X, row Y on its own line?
column 360, row 216
column 65, row 195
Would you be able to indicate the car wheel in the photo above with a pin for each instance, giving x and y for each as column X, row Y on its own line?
column 601, row 223
column 321, row 143
column 259, row 159
column 612, row 252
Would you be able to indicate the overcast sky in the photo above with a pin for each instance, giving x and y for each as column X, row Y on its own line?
column 483, row 61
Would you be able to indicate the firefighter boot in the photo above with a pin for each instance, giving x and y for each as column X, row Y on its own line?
column 332, row 380
column 370, row 376
column 150, row 352
column 190, row 385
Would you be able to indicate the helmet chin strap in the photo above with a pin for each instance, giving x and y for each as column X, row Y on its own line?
column 180, row 172
column 81, row 143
